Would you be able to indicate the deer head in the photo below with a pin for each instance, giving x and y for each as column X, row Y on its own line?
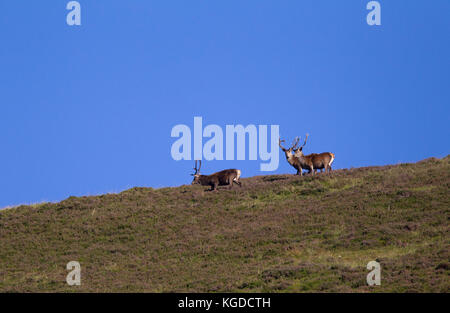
column 197, row 173
column 288, row 152
column 299, row 151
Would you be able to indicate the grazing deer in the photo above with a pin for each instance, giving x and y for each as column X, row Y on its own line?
column 314, row 161
column 222, row 178
column 290, row 157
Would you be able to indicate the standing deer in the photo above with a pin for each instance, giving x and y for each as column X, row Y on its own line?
column 314, row 161
column 290, row 157
column 222, row 178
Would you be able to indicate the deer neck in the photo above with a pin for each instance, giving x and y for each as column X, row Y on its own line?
column 301, row 158
column 290, row 158
column 204, row 179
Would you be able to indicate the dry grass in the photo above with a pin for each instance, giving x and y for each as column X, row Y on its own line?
column 278, row 233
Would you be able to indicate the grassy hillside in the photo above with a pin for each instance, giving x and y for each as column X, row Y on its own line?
column 279, row 233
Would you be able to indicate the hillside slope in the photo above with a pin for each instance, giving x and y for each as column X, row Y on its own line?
column 279, row 233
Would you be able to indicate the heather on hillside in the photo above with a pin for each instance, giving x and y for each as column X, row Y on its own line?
column 279, row 233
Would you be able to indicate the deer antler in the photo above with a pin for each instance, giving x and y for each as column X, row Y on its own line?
column 197, row 169
column 279, row 143
column 295, row 142
column 306, row 138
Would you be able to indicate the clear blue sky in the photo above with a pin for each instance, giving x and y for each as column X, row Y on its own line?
column 88, row 110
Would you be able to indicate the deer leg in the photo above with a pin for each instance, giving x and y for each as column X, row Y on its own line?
column 230, row 183
column 213, row 187
column 312, row 170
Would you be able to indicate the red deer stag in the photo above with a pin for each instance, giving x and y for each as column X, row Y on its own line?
column 290, row 157
column 314, row 161
column 222, row 178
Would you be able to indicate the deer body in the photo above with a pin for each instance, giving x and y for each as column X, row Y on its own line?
column 222, row 178
column 311, row 162
column 314, row 161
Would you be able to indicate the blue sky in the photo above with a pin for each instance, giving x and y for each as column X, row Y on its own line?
column 88, row 109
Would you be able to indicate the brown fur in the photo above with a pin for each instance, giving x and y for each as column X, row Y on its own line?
column 314, row 161
column 290, row 157
column 222, row 178
column 311, row 162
